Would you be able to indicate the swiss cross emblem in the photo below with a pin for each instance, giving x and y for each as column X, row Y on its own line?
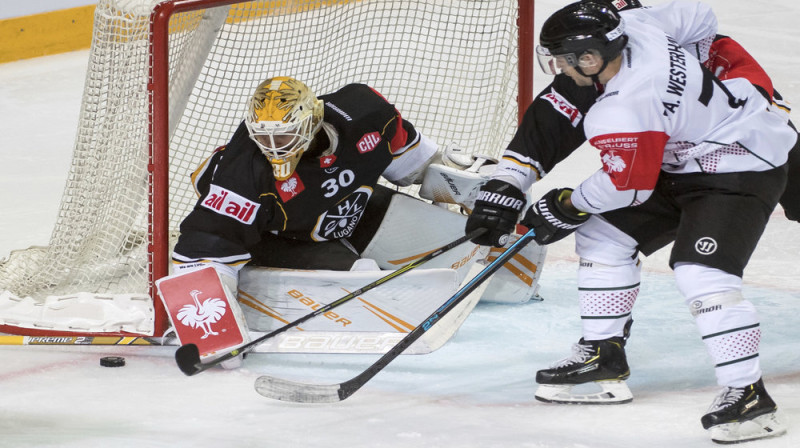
column 326, row 161
column 368, row 142
column 290, row 187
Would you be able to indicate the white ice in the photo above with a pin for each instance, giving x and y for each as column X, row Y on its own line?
column 476, row 391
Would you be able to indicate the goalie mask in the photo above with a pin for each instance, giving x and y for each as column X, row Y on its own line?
column 282, row 119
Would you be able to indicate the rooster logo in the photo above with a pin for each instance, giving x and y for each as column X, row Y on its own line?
column 614, row 162
column 290, row 186
column 202, row 315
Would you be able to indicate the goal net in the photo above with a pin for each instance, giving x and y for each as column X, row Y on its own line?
column 168, row 82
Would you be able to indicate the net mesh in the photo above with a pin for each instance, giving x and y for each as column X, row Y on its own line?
column 449, row 66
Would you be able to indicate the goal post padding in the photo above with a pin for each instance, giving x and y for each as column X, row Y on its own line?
column 168, row 82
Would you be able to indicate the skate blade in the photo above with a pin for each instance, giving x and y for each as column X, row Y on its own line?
column 761, row 427
column 612, row 392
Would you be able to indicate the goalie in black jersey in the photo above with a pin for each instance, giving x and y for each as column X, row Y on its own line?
column 299, row 175
column 296, row 187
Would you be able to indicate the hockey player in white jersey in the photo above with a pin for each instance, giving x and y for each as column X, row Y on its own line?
column 687, row 158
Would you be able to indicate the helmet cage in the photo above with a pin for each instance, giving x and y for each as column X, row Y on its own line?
column 282, row 120
column 277, row 139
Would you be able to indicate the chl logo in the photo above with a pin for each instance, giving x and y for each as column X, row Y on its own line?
column 705, row 246
column 368, row 142
column 202, row 314
column 228, row 203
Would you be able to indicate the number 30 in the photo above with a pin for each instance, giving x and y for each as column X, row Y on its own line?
column 331, row 186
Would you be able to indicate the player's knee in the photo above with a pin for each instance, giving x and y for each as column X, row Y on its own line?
column 592, row 274
column 697, row 280
column 600, row 242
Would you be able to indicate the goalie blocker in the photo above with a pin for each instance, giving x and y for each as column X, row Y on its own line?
column 203, row 312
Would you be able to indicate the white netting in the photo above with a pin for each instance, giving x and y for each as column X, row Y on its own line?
column 449, row 66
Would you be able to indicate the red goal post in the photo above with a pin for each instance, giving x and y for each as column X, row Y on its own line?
column 168, row 81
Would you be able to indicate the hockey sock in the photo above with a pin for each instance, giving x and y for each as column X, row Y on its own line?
column 607, row 295
column 729, row 327
column 728, row 324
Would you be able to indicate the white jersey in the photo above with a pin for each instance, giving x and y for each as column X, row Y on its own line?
column 692, row 24
column 527, row 159
column 663, row 111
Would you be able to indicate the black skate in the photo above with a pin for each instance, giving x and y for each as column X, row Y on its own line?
column 739, row 414
column 600, row 363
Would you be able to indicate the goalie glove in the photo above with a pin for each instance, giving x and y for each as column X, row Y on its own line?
column 551, row 218
column 497, row 209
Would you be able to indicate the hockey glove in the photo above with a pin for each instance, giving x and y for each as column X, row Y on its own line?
column 551, row 218
column 497, row 209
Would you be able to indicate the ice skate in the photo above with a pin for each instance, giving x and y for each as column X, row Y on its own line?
column 593, row 364
column 740, row 414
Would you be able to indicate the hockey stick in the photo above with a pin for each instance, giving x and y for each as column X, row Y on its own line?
column 285, row 390
column 188, row 356
column 78, row 340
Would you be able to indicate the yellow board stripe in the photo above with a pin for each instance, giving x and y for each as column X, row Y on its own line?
column 48, row 33
column 71, row 29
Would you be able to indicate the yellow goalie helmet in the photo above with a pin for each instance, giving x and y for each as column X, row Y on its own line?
column 283, row 117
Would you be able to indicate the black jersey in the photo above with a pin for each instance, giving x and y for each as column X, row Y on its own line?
column 551, row 130
column 324, row 198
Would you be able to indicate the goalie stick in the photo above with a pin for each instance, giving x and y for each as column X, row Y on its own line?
column 286, row 390
column 188, row 355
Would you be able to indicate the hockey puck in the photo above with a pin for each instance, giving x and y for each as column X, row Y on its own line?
column 112, row 361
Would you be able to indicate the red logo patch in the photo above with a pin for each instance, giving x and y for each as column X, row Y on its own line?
column 368, row 142
column 327, row 161
column 632, row 160
column 200, row 311
column 290, row 187
column 564, row 107
column 228, row 203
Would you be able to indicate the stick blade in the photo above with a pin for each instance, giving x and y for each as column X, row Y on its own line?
column 285, row 390
column 188, row 358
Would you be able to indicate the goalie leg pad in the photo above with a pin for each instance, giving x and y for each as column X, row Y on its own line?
column 398, row 241
column 518, row 280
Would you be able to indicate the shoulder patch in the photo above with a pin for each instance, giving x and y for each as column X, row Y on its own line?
column 368, row 142
column 563, row 106
column 230, row 204
column 290, row 187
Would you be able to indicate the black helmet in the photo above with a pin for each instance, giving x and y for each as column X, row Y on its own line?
column 583, row 26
